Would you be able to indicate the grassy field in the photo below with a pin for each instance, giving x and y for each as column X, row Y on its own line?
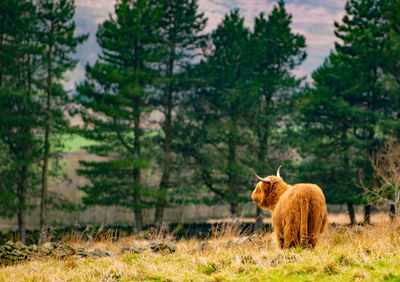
column 343, row 254
column 74, row 143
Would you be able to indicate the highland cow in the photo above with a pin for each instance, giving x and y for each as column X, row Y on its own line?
column 299, row 212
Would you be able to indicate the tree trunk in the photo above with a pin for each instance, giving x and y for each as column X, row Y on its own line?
column 232, row 168
column 234, row 209
column 43, row 199
column 138, row 220
column 137, row 199
column 159, row 215
column 161, row 204
column 165, row 179
column 137, row 179
column 392, row 213
column 367, row 214
column 165, row 182
column 46, row 153
column 262, row 149
column 352, row 216
column 22, row 225
column 22, row 185
column 261, row 155
column 259, row 224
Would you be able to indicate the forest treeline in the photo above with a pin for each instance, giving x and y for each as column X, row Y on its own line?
column 228, row 101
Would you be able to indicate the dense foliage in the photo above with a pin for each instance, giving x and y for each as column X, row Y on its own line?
column 352, row 107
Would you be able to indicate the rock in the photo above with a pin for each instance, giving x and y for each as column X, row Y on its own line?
column 159, row 246
column 9, row 246
column 48, row 245
column 2, row 251
column 46, row 248
column 171, row 247
column 33, row 248
column 20, row 246
column 156, row 246
column 18, row 254
column 80, row 252
column 137, row 250
column 67, row 249
column 124, row 249
column 134, row 249
column 242, row 240
column 14, row 252
column 61, row 252
column 91, row 254
column 99, row 253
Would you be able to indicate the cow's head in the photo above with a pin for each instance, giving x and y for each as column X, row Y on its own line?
column 264, row 194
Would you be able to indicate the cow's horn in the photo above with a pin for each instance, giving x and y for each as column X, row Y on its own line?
column 266, row 180
column 277, row 173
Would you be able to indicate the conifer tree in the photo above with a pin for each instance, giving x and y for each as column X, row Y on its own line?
column 365, row 36
column 327, row 144
column 391, row 67
column 180, row 27
column 349, row 112
column 56, row 30
column 274, row 52
column 19, row 110
column 213, row 128
column 113, row 99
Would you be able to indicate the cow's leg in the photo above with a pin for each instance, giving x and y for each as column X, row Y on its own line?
column 279, row 238
column 291, row 237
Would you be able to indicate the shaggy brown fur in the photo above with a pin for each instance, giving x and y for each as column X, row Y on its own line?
column 299, row 212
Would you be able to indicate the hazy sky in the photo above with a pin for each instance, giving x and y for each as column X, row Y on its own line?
column 312, row 18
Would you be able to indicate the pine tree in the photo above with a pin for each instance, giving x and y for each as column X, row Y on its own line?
column 364, row 34
column 113, row 99
column 212, row 126
column 180, row 28
column 349, row 112
column 391, row 67
column 56, row 34
column 327, row 143
column 19, row 110
column 274, row 52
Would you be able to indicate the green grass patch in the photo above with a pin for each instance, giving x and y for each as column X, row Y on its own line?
column 75, row 143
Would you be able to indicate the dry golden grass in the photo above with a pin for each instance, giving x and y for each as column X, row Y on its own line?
column 343, row 254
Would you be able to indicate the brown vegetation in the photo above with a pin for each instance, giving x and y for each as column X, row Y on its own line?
column 343, row 254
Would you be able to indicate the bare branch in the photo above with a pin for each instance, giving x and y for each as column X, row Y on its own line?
column 386, row 166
